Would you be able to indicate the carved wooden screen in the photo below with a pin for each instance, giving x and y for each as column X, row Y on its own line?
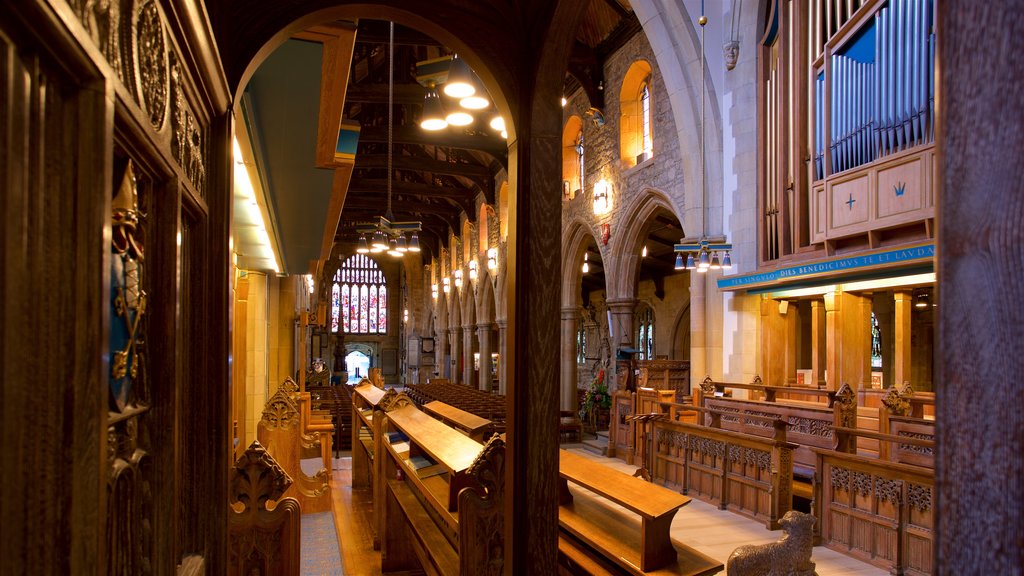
column 114, row 284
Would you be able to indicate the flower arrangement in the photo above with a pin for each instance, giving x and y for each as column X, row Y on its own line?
column 596, row 396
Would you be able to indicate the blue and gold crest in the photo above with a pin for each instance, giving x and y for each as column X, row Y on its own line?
column 127, row 296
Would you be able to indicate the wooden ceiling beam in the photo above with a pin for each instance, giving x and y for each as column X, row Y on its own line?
column 477, row 172
column 378, row 94
column 492, row 145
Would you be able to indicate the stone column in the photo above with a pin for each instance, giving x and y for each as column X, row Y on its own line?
column 455, row 341
column 440, row 349
column 901, row 362
column 568, row 358
column 502, row 355
column 483, row 334
column 622, row 333
column 469, row 340
column 819, row 350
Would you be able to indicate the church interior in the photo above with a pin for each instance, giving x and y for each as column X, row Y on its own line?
column 516, row 287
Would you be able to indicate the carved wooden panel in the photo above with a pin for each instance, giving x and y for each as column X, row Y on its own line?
column 482, row 513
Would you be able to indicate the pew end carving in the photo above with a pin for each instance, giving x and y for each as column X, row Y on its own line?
column 262, row 540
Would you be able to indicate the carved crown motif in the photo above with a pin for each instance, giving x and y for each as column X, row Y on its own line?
column 256, row 477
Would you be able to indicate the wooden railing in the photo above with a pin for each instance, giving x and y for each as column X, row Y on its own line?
column 744, row 473
column 879, row 511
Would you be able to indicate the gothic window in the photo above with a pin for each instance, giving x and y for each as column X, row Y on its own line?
column 580, row 150
column 581, row 343
column 571, row 158
column 645, row 119
column 359, row 297
column 645, row 335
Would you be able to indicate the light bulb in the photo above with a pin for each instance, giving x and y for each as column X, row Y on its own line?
column 643, row 253
column 459, row 118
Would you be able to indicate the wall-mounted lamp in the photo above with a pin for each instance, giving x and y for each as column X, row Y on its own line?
column 492, row 258
column 446, row 285
column 601, row 192
column 643, row 253
column 458, row 278
column 405, row 315
column 309, row 283
column 586, row 264
column 920, row 299
column 433, row 291
column 472, row 270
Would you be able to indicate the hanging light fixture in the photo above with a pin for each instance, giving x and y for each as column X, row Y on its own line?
column 385, row 233
column 460, row 79
column 433, row 117
column 705, row 249
column 478, row 100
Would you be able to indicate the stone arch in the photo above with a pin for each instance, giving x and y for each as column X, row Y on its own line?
column 674, row 37
column 626, row 253
column 503, row 210
column 575, row 239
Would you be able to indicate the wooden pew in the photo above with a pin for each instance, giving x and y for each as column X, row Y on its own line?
column 747, row 474
column 430, row 522
column 280, row 432
column 365, row 399
column 643, row 547
column 260, row 540
column 471, row 425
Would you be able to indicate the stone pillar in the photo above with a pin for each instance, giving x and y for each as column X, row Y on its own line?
column 468, row 348
column 819, row 349
column 568, row 358
column 440, row 350
column 453, row 371
column 483, row 332
column 502, row 355
column 622, row 334
column 773, row 343
column 901, row 360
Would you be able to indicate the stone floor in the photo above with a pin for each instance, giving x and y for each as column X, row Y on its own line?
column 700, row 525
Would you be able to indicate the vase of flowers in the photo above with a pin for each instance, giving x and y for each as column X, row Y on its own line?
column 596, row 402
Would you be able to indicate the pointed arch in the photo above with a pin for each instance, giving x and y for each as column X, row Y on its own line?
column 576, row 237
column 626, row 253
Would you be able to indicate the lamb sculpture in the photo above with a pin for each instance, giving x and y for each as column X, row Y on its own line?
column 789, row 556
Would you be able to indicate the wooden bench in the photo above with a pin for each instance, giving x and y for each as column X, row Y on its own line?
column 424, row 507
column 469, row 424
column 646, row 548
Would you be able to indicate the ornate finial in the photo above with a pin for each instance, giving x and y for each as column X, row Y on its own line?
column 846, row 406
column 488, row 468
column 707, row 385
column 280, row 411
column 757, row 380
column 289, row 386
column 394, row 400
column 896, row 400
column 256, row 477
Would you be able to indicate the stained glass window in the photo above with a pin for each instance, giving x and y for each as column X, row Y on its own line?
column 359, row 297
column 645, row 335
column 876, row 343
column 335, row 306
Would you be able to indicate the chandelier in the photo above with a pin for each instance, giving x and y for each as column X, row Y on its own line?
column 451, row 76
column 385, row 234
column 705, row 253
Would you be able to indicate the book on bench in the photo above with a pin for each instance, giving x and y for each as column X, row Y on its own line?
column 425, row 467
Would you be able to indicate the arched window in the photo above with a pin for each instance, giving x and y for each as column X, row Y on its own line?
column 645, row 335
column 636, row 124
column 647, row 143
column 580, row 150
column 571, row 158
column 359, row 297
column 581, row 343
